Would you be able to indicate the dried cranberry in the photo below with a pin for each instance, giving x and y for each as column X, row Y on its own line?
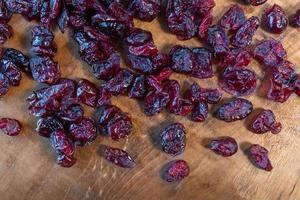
column 106, row 113
column 181, row 107
column 155, row 81
column 138, row 88
column 108, row 68
column 141, row 64
column 11, row 71
column 161, row 60
column 237, row 57
column 17, row 6
column 256, row 2
column 155, row 101
column 173, row 139
column 45, row 126
column 44, row 70
column 245, row 33
column 83, row 131
column 42, row 42
column 120, row 83
column 87, row 92
column 202, row 67
column 275, row 19
column 296, row 19
column 64, row 148
column 176, row 171
column 236, row 109
column 225, row 146
column 6, row 32
column 10, row 127
column 119, row 157
column 72, row 113
column 119, row 126
column 265, row 121
column 146, row 10
column 63, row 19
column 204, row 25
column 5, row 13
column 196, row 94
column 270, row 52
column 200, row 112
column 297, row 86
column 238, row 82
column 4, row 84
column 259, row 157
column 233, row 19
column 18, row 58
column 171, row 87
column 103, row 97
column 182, row 59
column 218, row 40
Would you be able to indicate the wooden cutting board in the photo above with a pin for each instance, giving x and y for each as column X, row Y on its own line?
column 27, row 162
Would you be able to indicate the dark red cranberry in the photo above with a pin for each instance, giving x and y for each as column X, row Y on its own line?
column 218, row 40
column 119, row 157
column 236, row 109
column 297, row 86
column 155, row 81
column 238, row 82
column 17, row 6
column 120, row 83
column 197, row 94
column 87, row 92
column 259, row 157
column 204, row 25
column 141, row 64
column 175, row 171
column 44, row 70
column 64, row 148
column 256, row 2
column 200, row 112
column 155, row 101
column 161, row 61
column 138, row 87
column 245, row 33
column 225, row 146
column 202, row 67
column 10, row 127
column 275, row 19
column 42, row 41
column 270, row 52
column 233, row 19
column 45, row 126
column 11, row 71
column 182, row 59
column 104, row 97
column 63, row 19
column 18, row 58
column 72, row 113
column 237, row 57
column 295, row 19
column 172, row 87
column 83, row 131
column 180, row 106
column 119, row 126
column 5, row 13
column 106, row 113
column 265, row 121
column 173, row 139
column 146, row 10
column 108, row 68
column 4, row 84
column 6, row 32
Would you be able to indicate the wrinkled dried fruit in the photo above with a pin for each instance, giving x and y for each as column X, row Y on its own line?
column 204, row 25
column 11, row 71
column 5, row 13
column 236, row 109
column 256, row 2
column 72, row 113
column 104, row 97
column 120, row 83
column 6, row 32
column 259, row 157
column 182, row 59
column 119, row 157
column 18, row 58
column 233, row 19
column 202, row 67
column 175, row 171
column 237, row 57
column 146, row 10
column 106, row 113
column 197, row 94
column 297, row 86
column 275, row 19
column 10, row 127
column 173, row 139
column 155, row 101
column 200, row 112
column 45, row 126
column 4, row 84
column 83, row 131
column 225, row 146
column 296, row 19
column 265, row 121
column 218, row 40
column 106, row 69
column 42, row 42
column 180, row 106
column 87, row 92
column 138, row 87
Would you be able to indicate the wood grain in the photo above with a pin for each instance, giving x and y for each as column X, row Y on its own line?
column 27, row 162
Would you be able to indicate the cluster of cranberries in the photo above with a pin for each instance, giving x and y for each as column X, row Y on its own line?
column 100, row 27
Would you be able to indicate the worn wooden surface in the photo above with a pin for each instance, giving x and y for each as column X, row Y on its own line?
column 27, row 162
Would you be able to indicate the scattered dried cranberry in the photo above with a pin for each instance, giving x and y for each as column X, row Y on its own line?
column 42, row 42
column 245, row 33
column 256, row 2
column 200, row 112
column 270, row 52
column 72, row 113
column 175, row 171
column 141, row 64
column 233, row 19
column 275, row 19
column 119, row 157
column 11, row 71
column 259, row 157
column 237, row 57
column 83, row 131
column 296, row 19
column 265, row 121
column 297, row 86
column 106, row 113
column 10, row 127
column 87, row 92
column 5, row 13
column 138, row 88
column 224, row 146
column 45, row 126
column 5, row 32
column 106, row 69
column 4, row 84
column 236, row 109
column 180, row 106
column 18, row 58
column 204, row 25
column 103, row 97
column 238, row 82
column 218, row 40
column 182, row 59
column 146, row 10
column 155, row 101
column 202, row 64
column 197, row 94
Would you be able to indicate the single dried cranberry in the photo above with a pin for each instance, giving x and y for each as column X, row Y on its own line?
column 182, row 59
column 173, row 139
column 201, row 7
column 5, row 13
column 119, row 126
column 161, row 60
column 42, row 41
column 171, row 87
column 44, row 70
column 155, row 101
column 175, row 171
column 17, row 6
column 180, row 107
column 10, row 127
column 18, row 58
column 64, row 148
column 72, row 113
column 4, row 84
column 120, row 83
column 108, row 68
column 45, row 126
column 11, row 71
column 218, row 40
column 83, row 131
column 204, row 25
column 200, row 112
column 265, row 121
column 106, row 113
column 225, row 146
column 233, row 19
column 103, row 97
column 275, row 19
column 87, row 92
column 238, row 82
column 155, row 81
column 236, row 109
column 245, row 33
column 6, row 32
column 259, row 157
column 146, row 10
column 63, row 18
column 297, row 86
column 119, row 157
column 237, row 57
column 197, row 94
column 295, row 19
column 138, row 88
column 270, row 52
column 256, row 2
column 202, row 67
column 141, row 64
